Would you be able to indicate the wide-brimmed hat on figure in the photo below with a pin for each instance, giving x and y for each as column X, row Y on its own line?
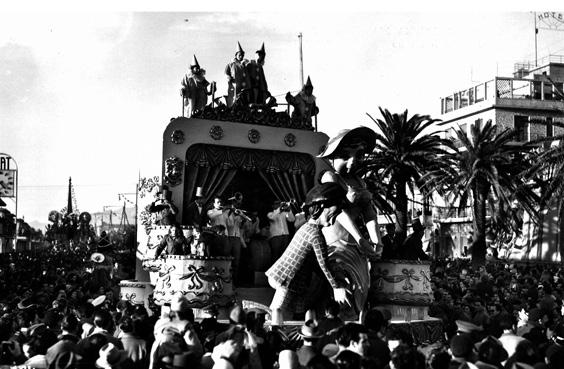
column 358, row 134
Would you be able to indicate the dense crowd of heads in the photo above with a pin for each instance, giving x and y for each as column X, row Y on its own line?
column 61, row 310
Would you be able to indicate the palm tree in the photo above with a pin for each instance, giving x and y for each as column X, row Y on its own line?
column 488, row 170
column 405, row 151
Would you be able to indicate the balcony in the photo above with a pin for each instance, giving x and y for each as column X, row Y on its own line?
column 500, row 90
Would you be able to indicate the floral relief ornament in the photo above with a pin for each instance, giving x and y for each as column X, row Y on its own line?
column 173, row 171
column 216, row 132
column 290, row 140
column 177, row 136
column 254, row 136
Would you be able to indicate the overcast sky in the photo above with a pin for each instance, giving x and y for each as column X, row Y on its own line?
column 88, row 95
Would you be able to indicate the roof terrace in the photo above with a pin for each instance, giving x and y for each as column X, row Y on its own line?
column 503, row 90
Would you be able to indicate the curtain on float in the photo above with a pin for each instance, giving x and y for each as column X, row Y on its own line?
column 288, row 175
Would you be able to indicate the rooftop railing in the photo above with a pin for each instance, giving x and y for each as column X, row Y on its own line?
column 502, row 88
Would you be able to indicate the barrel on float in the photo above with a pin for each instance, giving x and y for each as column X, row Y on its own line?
column 134, row 291
column 403, row 287
column 202, row 280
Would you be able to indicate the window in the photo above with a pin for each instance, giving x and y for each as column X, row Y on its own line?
column 521, row 128
column 549, row 127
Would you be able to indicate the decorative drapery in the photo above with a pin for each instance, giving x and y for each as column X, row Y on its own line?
column 288, row 175
column 286, row 186
column 249, row 159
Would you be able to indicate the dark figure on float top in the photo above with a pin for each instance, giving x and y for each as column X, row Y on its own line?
column 238, row 81
column 303, row 103
column 258, row 81
column 165, row 209
column 195, row 88
column 195, row 214
column 412, row 248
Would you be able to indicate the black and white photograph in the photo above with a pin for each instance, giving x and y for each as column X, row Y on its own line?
column 285, row 185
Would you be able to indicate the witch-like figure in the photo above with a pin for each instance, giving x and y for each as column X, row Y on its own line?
column 195, row 88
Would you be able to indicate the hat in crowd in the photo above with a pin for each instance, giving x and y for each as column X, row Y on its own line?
column 354, row 135
column 467, row 327
column 238, row 315
column 309, row 330
column 179, row 303
column 161, row 189
column 199, row 192
column 99, row 300
column 26, row 304
column 111, row 356
column 490, row 349
column 97, row 257
column 461, row 345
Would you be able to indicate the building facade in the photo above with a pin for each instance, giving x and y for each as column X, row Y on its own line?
column 532, row 103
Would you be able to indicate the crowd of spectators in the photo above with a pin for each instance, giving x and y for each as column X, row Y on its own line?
column 59, row 311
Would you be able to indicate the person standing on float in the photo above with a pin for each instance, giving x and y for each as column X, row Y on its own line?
column 349, row 250
column 238, row 79
column 303, row 103
column 195, row 88
column 291, row 273
column 258, row 80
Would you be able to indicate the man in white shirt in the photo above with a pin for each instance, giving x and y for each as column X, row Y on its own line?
column 279, row 233
column 218, row 220
column 235, row 218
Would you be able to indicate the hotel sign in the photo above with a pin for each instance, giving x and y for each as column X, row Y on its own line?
column 551, row 20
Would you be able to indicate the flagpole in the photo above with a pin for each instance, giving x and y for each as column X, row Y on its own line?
column 536, row 32
column 301, row 62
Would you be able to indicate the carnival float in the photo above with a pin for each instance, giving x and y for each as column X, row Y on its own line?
column 248, row 143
